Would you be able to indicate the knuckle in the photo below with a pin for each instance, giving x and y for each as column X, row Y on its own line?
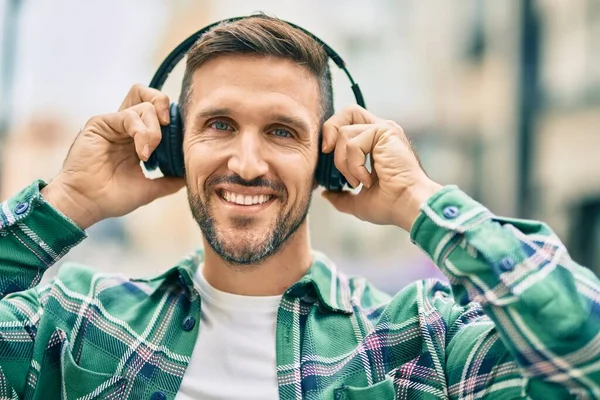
column 389, row 134
column 147, row 106
column 328, row 126
column 351, row 145
column 95, row 120
column 344, row 131
column 160, row 97
column 353, row 108
column 137, row 87
column 394, row 125
column 135, row 93
column 140, row 131
column 154, row 138
column 98, row 123
column 129, row 114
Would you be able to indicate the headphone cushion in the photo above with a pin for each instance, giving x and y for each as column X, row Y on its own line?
column 326, row 173
column 168, row 156
column 174, row 142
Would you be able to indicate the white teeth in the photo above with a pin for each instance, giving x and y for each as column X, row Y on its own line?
column 245, row 200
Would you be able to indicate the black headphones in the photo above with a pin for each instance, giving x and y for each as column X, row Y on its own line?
column 168, row 156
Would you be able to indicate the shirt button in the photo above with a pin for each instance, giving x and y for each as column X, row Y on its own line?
column 21, row 208
column 188, row 323
column 507, row 264
column 158, row 396
column 451, row 212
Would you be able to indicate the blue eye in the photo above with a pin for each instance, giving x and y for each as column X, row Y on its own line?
column 220, row 126
column 282, row 133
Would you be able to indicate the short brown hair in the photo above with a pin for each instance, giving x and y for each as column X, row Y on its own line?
column 263, row 35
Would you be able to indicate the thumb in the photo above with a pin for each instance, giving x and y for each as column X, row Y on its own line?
column 342, row 201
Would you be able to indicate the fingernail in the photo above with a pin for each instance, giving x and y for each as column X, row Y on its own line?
column 146, row 151
column 166, row 116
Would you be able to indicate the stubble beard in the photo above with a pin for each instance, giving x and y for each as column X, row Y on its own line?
column 247, row 247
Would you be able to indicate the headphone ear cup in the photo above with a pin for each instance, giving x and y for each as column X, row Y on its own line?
column 326, row 173
column 168, row 156
column 175, row 143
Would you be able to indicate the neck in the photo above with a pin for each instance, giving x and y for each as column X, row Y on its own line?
column 272, row 277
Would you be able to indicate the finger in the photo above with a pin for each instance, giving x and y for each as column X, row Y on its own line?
column 128, row 124
column 351, row 131
column 149, row 140
column 340, row 155
column 342, row 201
column 352, row 115
column 141, row 94
column 356, row 155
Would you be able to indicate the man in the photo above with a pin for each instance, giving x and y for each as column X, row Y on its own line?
column 257, row 314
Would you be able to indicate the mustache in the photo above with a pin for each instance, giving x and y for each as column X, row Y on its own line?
column 259, row 181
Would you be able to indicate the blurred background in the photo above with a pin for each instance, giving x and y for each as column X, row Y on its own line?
column 500, row 97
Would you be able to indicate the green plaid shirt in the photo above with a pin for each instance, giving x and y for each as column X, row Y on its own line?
column 520, row 319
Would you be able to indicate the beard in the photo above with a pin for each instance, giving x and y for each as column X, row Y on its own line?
column 251, row 247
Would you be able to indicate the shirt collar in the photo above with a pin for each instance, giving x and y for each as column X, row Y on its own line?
column 331, row 286
column 184, row 271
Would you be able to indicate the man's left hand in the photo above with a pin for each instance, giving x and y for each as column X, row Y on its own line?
column 394, row 190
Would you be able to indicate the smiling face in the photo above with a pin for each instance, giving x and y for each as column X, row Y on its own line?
column 250, row 152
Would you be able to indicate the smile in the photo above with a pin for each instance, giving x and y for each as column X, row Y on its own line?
column 244, row 200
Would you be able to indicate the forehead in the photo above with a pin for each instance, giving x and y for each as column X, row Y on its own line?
column 256, row 83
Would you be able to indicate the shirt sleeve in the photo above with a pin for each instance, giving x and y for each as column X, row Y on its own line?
column 33, row 237
column 545, row 307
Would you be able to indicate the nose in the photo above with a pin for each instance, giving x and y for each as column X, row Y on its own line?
column 247, row 158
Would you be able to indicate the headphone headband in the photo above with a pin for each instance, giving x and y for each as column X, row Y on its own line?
column 171, row 61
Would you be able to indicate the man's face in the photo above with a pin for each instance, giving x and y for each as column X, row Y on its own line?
column 250, row 150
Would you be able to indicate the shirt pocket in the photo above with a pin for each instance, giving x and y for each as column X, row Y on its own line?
column 75, row 381
column 383, row 390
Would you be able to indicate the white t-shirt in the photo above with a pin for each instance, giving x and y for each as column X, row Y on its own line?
column 234, row 357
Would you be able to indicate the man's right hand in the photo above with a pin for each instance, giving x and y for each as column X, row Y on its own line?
column 101, row 176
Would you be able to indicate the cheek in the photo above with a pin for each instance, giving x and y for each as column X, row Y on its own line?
column 296, row 170
column 201, row 161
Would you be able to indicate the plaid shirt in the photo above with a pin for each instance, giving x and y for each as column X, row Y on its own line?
column 520, row 318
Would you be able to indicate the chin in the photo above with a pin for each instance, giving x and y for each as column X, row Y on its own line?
column 242, row 246
column 243, row 237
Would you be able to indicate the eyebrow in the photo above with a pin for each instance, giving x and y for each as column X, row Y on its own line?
column 294, row 121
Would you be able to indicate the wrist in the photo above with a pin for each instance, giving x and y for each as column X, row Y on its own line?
column 69, row 203
column 408, row 205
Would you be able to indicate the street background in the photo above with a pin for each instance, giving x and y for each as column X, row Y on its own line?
column 501, row 98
